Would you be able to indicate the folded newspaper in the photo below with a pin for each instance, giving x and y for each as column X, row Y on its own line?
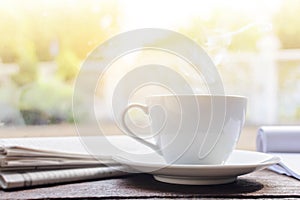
column 284, row 142
column 29, row 162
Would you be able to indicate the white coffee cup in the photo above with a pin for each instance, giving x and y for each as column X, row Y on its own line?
column 192, row 129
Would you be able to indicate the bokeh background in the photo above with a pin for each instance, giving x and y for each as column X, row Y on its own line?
column 254, row 44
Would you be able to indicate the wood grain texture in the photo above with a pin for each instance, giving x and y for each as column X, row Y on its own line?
column 263, row 184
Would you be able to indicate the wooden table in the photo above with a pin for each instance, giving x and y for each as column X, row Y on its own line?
column 262, row 184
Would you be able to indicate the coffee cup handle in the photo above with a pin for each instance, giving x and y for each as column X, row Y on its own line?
column 130, row 133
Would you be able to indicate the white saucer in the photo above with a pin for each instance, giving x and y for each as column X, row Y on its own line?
column 239, row 163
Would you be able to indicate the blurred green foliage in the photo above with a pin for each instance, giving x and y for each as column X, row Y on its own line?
column 287, row 24
column 67, row 65
column 46, row 102
column 74, row 25
column 28, row 64
column 61, row 34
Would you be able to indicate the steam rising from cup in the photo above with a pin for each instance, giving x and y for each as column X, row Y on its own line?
column 217, row 45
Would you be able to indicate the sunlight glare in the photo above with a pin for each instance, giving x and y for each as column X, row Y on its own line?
column 170, row 14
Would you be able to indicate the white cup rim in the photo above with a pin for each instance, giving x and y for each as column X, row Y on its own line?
column 197, row 95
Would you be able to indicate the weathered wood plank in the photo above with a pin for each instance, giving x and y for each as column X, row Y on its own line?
column 263, row 184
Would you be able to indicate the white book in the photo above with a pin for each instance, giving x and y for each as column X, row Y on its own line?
column 284, row 142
